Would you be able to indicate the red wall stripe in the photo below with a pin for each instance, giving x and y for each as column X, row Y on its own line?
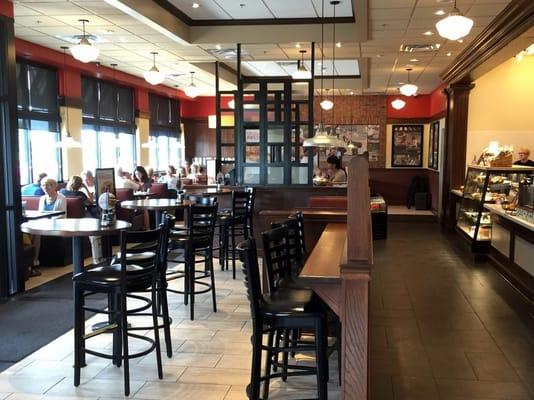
column 6, row 8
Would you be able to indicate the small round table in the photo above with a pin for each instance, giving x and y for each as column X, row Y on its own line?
column 213, row 191
column 156, row 205
column 75, row 228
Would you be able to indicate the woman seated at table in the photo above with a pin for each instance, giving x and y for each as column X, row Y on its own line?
column 74, row 187
column 50, row 201
column 170, row 178
column 335, row 172
column 142, row 179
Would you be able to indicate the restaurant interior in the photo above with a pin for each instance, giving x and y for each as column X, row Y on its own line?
column 255, row 199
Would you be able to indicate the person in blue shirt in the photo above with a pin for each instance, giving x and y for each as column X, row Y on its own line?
column 34, row 189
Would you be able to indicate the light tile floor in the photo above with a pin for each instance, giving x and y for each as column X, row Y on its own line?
column 211, row 359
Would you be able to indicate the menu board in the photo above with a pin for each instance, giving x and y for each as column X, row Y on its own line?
column 104, row 181
column 407, row 146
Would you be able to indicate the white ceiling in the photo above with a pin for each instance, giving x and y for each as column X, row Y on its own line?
column 259, row 9
column 128, row 42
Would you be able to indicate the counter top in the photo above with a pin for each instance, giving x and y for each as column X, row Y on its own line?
column 497, row 209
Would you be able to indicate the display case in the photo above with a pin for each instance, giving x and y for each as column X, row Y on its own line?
column 485, row 185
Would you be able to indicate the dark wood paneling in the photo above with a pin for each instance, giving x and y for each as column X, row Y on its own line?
column 200, row 141
column 433, row 186
column 392, row 184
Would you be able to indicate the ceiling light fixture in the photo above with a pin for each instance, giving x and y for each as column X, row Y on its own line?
column 439, row 12
column 398, row 104
column 321, row 137
column 68, row 141
column 195, row 5
column 117, row 141
column 449, row 54
column 414, row 60
column 84, row 51
column 329, row 104
column 301, row 72
column 192, row 90
column 408, row 89
column 428, row 33
column 455, row 26
column 338, row 44
column 154, row 76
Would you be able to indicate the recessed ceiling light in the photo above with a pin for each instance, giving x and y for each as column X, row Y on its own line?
column 218, row 46
column 338, row 44
column 351, row 92
column 449, row 54
column 428, row 33
column 414, row 60
column 297, row 45
column 439, row 12
column 438, row 45
column 195, row 5
column 460, row 41
column 379, row 55
column 400, row 83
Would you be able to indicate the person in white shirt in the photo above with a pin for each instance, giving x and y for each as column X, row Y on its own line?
column 170, row 178
column 52, row 200
column 123, row 182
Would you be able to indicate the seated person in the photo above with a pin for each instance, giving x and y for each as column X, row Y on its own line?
column 335, row 172
column 74, row 187
column 524, row 160
column 123, row 180
column 50, row 201
column 142, row 179
column 89, row 181
column 170, row 178
column 34, row 189
column 194, row 173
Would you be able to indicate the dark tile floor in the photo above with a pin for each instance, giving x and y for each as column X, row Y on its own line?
column 442, row 326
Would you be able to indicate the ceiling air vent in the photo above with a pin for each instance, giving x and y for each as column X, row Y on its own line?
column 226, row 53
column 286, row 63
column 419, row 48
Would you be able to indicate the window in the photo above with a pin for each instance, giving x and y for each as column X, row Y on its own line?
column 108, row 132
column 38, row 122
column 165, row 133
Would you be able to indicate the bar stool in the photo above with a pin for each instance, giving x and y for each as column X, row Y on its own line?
column 188, row 240
column 280, row 310
column 117, row 281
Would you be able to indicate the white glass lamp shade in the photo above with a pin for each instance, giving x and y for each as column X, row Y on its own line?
column 398, row 104
column 455, row 26
column 192, row 90
column 85, row 51
column 408, row 89
column 154, row 76
column 327, row 104
column 323, row 139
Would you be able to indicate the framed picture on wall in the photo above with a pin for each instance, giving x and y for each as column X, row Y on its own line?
column 433, row 146
column 407, row 146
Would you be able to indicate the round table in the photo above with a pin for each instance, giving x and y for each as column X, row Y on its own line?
column 75, row 228
column 209, row 191
column 156, row 205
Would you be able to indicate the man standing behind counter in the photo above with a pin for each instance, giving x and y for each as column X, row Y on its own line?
column 524, row 160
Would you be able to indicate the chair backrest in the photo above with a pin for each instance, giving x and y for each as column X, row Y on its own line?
column 166, row 225
column 172, row 193
column 159, row 190
column 276, row 256
column 299, row 216
column 240, row 204
column 248, row 255
column 201, row 224
column 250, row 206
column 296, row 255
column 75, row 207
column 137, row 242
column 202, row 200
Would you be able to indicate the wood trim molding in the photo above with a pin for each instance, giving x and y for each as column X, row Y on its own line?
column 514, row 20
column 72, row 102
column 142, row 114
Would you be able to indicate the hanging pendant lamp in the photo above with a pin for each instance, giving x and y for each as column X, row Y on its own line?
column 192, row 90
column 68, row 141
column 302, row 72
column 84, row 51
column 408, row 89
column 398, row 104
column 327, row 104
column 116, row 141
column 455, row 26
column 154, row 76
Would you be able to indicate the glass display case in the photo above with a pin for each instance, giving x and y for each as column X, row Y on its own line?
column 487, row 185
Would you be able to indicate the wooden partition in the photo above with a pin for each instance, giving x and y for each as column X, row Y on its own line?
column 338, row 270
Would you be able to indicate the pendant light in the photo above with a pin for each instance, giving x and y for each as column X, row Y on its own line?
column 327, row 104
column 408, row 89
column 301, row 72
column 84, row 51
column 455, row 26
column 398, row 104
column 68, row 141
column 116, row 141
column 154, row 76
column 192, row 90
column 321, row 137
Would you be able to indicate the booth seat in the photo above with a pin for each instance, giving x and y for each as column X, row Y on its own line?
column 159, row 190
column 57, row 251
column 377, row 206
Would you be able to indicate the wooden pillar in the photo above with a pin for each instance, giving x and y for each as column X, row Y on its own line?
column 456, row 143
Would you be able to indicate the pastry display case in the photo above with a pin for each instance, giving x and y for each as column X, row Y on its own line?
column 487, row 185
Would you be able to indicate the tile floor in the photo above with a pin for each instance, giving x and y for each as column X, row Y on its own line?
column 441, row 328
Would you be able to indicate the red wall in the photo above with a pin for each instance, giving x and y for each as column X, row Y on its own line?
column 422, row 106
column 6, row 8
